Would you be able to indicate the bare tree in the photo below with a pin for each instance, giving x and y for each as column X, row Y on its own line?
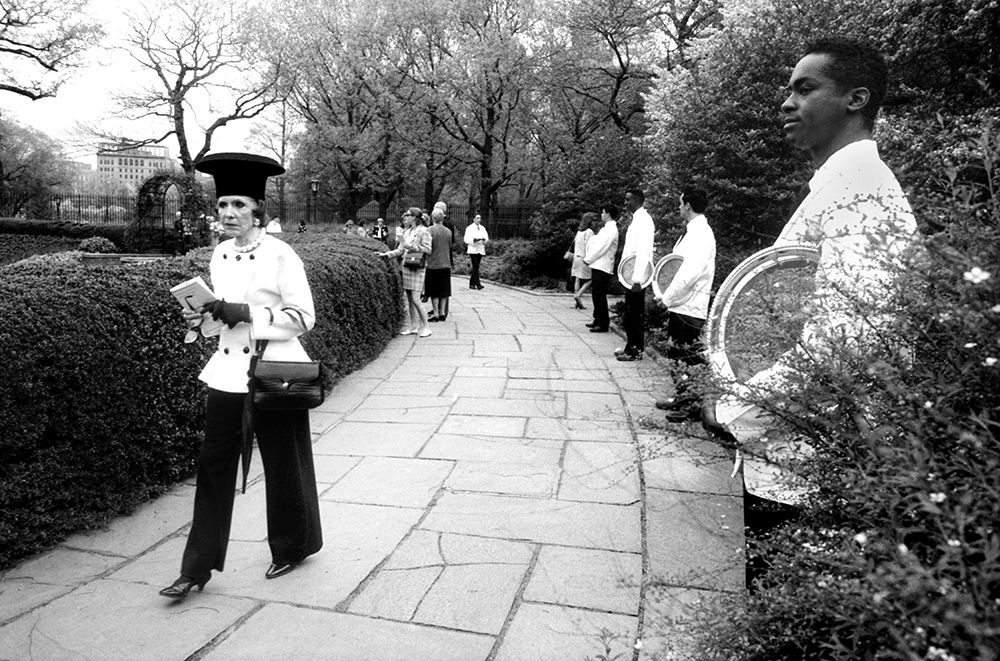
column 39, row 41
column 197, row 51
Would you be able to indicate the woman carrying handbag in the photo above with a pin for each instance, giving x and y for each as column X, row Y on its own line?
column 414, row 246
column 262, row 294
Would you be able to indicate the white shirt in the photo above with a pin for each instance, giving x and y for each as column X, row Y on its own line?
column 639, row 242
column 691, row 289
column 859, row 218
column 601, row 248
column 473, row 232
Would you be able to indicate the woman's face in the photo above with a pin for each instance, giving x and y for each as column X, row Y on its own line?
column 478, row 219
column 409, row 219
column 236, row 215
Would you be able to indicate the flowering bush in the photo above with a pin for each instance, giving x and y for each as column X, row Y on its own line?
column 896, row 553
column 98, row 244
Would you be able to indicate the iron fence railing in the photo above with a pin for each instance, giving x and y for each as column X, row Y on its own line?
column 506, row 221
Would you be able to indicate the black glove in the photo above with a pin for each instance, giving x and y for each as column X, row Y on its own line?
column 636, row 287
column 228, row 313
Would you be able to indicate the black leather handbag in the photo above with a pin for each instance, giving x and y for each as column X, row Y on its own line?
column 283, row 385
column 414, row 259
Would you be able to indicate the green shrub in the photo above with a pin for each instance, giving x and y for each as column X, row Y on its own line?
column 518, row 262
column 100, row 407
column 62, row 228
column 15, row 247
column 98, row 244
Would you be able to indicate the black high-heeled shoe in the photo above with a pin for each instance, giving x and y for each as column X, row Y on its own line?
column 579, row 305
column 179, row 589
column 276, row 570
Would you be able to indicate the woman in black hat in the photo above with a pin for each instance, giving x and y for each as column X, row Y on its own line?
column 262, row 295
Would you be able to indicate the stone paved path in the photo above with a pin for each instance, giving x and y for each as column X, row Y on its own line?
column 481, row 499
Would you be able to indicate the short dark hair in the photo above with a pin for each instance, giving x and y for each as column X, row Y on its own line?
column 696, row 197
column 612, row 209
column 587, row 220
column 637, row 194
column 856, row 65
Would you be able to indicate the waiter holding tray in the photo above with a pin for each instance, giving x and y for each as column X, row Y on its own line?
column 639, row 245
column 858, row 218
column 686, row 299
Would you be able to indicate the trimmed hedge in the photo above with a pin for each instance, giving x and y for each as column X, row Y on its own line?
column 20, row 239
column 100, row 407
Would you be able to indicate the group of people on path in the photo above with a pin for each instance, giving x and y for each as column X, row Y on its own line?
column 427, row 260
column 835, row 92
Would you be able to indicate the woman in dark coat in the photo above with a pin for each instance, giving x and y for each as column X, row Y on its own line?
column 262, row 294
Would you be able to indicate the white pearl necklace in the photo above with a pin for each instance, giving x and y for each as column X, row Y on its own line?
column 250, row 246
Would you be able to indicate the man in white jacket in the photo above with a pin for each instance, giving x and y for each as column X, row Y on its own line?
column 638, row 243
column 858, row 217
column 686, row 299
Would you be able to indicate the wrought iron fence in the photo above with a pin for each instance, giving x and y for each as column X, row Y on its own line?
column 504, row 222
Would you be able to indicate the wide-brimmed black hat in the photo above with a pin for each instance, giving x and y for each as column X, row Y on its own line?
column 239, row 174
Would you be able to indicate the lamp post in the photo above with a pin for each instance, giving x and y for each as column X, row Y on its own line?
column 314, row 187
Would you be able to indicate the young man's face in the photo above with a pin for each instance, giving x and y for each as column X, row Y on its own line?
column 816, row 110
column 631, row 202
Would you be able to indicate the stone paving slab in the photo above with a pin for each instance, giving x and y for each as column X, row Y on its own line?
column 598, row 580
column 564, row 385
column 588, row 525
column 544, row 632
column 600, row 472
column 469, row 425
column 515, row 479
column 510, row 407
column 391, row 481
column 129, row 535
column 112, row 620
column 393, row 439
column 696, row 540
column 613, row 431
column 476, row 387
column 493, row 449
column 280, row 631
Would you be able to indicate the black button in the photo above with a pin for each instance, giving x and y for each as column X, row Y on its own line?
column 238, row 258
column 246, row 349
column 225, row 256
column 251, row 257
column 226, row 350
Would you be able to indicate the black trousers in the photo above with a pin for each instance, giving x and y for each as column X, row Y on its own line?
column 685, row 347
column 285, row 442
column 599, row 297
column 474, row 277
column 635, row 315
column 761, row 517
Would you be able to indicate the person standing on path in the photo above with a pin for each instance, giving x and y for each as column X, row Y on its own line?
column 263, row 295
column 580, row 270
column 416, row 239
column 858, row 217
column 686, row 299
column 476, row 238
column 438, row 282
column 600, row 258
column 638, row 243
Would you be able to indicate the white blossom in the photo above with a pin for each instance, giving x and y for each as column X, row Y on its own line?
column 937, row 497
column 976, row 275
column 990, row 361
column 861, row 538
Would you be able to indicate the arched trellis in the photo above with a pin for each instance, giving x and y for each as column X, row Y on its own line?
column 151, row 229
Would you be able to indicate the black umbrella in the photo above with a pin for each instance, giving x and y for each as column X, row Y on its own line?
column 246, row 451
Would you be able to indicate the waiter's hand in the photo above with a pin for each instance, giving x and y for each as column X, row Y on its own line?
column 228, row 313
column 718, row 430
